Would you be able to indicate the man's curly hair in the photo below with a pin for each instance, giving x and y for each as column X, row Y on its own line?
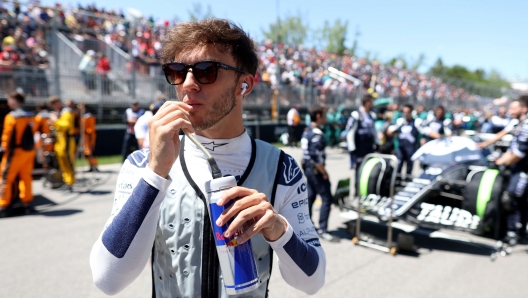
column 224, row 34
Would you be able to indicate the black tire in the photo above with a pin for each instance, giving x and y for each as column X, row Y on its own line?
column 487, row 206
column 378, row 179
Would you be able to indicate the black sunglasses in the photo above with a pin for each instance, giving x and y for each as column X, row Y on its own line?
column 205, row 72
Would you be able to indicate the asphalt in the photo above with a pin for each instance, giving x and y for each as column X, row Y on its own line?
column 46, row 254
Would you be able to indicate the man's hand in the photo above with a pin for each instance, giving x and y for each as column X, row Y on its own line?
column 321, row 169
column 252, row 210
column 434, row 135
column 164, row 138
column 507, row 159
column 482, row 145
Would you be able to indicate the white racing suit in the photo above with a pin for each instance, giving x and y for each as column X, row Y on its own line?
column 169, row 218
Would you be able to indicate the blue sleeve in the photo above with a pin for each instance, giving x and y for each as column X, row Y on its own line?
column 120, row 233
column 303, row 253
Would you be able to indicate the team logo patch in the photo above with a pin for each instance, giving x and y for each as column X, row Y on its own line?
column 291, row 173
column 313, row 242
column 212, row 145
column 139, row 158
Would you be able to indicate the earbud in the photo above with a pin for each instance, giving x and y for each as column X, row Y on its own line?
column 244, row 87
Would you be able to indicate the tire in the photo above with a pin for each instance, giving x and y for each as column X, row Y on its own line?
column 482, row 198
column 375, row 177
column 368, row 178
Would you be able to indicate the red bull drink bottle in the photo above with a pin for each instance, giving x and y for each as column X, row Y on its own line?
column 239, row 269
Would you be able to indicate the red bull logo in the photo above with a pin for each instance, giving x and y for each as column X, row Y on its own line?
column 232, row 243
column 229, row 242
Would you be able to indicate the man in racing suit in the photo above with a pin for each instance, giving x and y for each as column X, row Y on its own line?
column 516, row 197
column 88, row 124
column 159, row 205
column 313, row 145
column 436, row 127
column 408, row 133
column 63, row 122
column 42, row 127
column 19, row 153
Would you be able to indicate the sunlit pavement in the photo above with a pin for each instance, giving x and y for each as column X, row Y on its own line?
column 46, row 254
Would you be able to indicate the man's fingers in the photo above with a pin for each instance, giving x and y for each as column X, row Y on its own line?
column 238, row 206
column 250, row 232
column 233, row 193
column 174, row 127
column 243, row 217
column 170, row 106
column 173, row 119
column 173, row 115
column 257, row 226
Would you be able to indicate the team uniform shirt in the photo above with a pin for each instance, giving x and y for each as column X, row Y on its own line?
column 293, row 118
column 407, row 131
column 130, row 114
column 141, row 128
column 519, row 171
column 302, row 265
column 313, row 145
column 519, row 147
column 65, row 125
column 442, row 127
column 499, row 123
column 362, row 135
column 42, row 124
column 512, row 124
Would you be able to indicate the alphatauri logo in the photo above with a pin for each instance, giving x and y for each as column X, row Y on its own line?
column 291, row 170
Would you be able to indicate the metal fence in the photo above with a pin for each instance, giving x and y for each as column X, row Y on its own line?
column 107, row 97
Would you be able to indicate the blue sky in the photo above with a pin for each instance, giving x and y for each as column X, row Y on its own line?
column 474, row 33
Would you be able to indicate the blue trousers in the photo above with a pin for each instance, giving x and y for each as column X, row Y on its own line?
column 130, row 145
column 352, row 159
column 319, row 186
column 519, row 201
column 404, row 154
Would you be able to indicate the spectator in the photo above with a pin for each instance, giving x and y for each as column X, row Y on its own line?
column 8, row 59
column 102, row 69
column 87, row 69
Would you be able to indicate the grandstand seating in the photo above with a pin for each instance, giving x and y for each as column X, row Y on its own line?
column 304, row 72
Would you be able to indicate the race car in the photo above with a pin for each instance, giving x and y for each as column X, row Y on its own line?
column 456, row 189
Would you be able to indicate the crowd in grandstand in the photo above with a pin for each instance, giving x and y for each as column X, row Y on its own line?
column 23, row 38
column 304, row 66
column 23, row 43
